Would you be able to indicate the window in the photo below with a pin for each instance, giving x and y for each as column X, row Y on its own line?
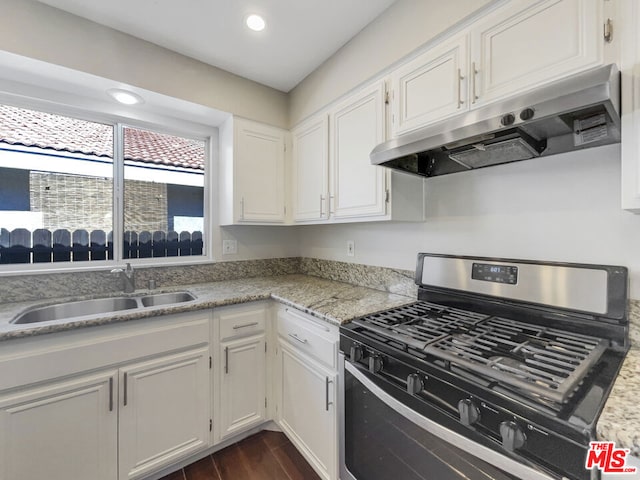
column 68, row 194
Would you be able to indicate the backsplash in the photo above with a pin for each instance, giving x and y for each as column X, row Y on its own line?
column 34, row 287
column 634, row 322
column 391, row 280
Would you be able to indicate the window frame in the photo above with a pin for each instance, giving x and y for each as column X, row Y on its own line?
column 141, row 120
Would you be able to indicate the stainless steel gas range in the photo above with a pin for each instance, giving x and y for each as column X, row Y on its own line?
column 499, row 370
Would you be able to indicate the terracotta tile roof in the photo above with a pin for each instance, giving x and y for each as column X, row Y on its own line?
column 31, row 128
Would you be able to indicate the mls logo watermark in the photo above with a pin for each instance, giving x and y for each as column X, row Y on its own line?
column 607, row 458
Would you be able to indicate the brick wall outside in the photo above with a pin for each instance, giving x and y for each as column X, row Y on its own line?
column 80, row 202
column 145, row 206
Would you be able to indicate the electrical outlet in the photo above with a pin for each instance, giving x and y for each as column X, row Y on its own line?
column 229, row 247
column 351, row 248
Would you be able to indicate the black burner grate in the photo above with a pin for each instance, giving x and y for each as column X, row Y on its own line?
column 539, row 360
column 420, row 323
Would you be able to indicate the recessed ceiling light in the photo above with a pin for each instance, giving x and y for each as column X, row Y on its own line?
column 125, row 97
column 255, row 23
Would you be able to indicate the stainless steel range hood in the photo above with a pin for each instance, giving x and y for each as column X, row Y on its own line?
column 579, row 112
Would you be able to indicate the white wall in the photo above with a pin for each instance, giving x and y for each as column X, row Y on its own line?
column 41, row 32
column 401, row 29
column 564, row 208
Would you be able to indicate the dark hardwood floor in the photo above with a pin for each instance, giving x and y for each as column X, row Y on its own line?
column 263, row 456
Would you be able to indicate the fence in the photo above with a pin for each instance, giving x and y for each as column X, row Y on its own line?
column 45, row 246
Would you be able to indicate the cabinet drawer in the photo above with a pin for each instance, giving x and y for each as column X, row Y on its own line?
column 241, row 321
column 313, row 338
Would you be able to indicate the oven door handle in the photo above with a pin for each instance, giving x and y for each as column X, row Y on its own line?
column 488, row 455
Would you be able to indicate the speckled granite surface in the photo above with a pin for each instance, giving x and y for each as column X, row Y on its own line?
column 620, row 420
column 331, row 301
column 388, row 279
column 35, row 287
column 634, row 322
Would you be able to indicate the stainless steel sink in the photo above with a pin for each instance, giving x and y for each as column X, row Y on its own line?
column 166, row 299
column 63, row 311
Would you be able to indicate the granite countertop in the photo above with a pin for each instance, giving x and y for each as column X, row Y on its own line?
column 333, row 302
column 328, row 300
column 620, row 419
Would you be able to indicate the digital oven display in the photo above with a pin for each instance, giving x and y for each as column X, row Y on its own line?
column 495, row 273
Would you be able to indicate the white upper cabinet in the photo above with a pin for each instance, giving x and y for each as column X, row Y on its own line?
column 357, row 126
column 431, row 87
column 310, row 157
column 630, row 66
column 518, row 46
column 333, row 179
column 252, row 173
column 530, row 42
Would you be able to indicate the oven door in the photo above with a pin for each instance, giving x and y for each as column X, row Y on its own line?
column 381, row 438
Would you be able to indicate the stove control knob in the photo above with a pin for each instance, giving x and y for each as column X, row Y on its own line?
column 375, row 363
column 469, row 412
column 355, row 353
column 414, row 384
column 512, row 436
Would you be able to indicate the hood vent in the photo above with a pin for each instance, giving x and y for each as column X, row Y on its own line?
column 575, row 113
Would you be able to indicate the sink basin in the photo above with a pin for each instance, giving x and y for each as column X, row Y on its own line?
column 63, row 311
column 166, row 299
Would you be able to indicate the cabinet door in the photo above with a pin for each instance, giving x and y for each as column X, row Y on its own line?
column 164, row 411
column 242, row 389
column 310, row 151
column 431, row 87
column 630, row 66
column 61, row 431
column 307, row 409
column 530, row 42
column 357, row 126
column 259, row 172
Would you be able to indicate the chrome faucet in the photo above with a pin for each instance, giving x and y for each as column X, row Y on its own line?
column 128, row 277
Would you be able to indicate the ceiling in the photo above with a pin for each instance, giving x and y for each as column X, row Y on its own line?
column 300, row 34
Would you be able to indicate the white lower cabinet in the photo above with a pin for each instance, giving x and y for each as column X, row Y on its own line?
column 307, row 409
column 164, row 411
column 142, row 405
column 242, row 390
column 306, row 379
column 241, row 367
column 62, row 430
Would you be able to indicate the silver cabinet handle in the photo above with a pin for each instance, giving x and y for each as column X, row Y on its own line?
column 111, row 394
column 125, row 389
column 331, row 204
column 296, row 337
column 474, row 73
column 321, row 205
column 241, row 208
column 326, row 385
column 237, row 327
column 460, row 78
column 226, row 359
